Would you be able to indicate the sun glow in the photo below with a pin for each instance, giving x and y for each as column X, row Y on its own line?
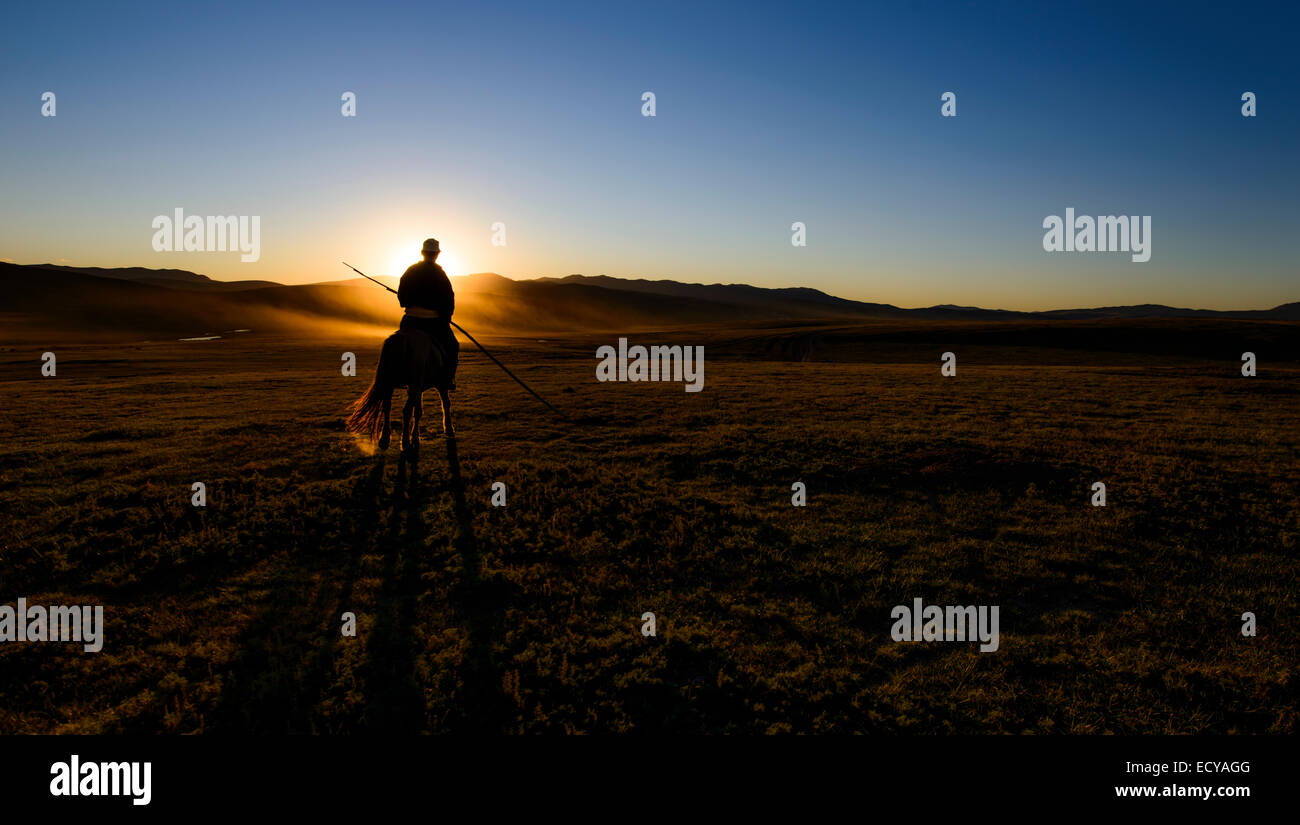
column 410, row 254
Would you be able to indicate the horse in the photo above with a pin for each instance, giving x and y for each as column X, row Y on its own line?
column 410, row 359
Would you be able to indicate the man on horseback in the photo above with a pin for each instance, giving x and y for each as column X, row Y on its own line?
column 410, row 357
column 426, row 294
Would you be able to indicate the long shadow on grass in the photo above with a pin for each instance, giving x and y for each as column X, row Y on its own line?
column 479, row 604
column 394, row 701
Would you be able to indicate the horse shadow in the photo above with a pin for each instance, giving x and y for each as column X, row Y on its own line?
column 479, row 603
column 393, row 698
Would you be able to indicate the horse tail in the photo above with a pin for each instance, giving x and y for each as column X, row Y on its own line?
column 367, row 412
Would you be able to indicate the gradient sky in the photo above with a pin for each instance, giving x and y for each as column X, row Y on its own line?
column 530, row 114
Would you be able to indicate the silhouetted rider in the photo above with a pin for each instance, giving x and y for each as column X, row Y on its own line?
column 425, row 291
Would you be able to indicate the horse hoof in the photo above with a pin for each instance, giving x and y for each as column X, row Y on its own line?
column 383, row 442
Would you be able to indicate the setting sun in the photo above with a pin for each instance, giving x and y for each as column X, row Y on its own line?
column 410, row 253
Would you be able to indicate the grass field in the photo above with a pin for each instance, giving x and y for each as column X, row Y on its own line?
column 967, row 490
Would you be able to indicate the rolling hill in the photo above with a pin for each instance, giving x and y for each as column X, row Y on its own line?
column 142, row 302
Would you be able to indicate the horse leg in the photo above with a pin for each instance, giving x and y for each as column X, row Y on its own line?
column 406, row 422
column 418, row 409
column 388, row 425
column 447, row 429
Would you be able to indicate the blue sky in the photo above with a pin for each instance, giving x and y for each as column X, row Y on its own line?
column 530, row 114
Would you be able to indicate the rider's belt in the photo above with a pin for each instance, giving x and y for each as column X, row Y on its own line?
column 421, row 312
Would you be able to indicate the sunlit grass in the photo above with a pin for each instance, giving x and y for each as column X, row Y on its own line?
column 771, row 618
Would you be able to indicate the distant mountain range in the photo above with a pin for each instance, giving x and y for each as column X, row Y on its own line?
column 147, row 301
column 801, row 300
